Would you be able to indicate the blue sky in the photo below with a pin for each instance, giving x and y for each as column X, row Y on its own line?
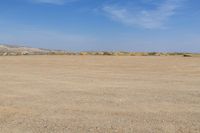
column 85, row 25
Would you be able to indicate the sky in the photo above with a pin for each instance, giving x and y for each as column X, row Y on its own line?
column 102, row 25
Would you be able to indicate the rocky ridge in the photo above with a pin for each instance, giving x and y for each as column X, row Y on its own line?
column 22, row 50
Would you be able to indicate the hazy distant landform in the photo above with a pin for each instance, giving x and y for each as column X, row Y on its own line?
column 15, row 50
column 20, row 50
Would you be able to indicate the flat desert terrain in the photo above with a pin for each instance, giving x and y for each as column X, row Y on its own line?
column 99, row 94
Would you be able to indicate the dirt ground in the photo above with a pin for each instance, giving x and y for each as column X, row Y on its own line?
column 99, row 94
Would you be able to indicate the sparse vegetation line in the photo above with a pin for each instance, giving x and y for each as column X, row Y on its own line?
column 10, row 50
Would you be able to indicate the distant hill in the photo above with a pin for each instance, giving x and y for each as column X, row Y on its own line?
column 22, row 50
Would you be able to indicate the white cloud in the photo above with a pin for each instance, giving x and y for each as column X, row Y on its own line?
column 57, row 2
column 146, row 18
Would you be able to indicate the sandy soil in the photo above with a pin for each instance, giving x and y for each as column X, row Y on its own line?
column 71, row 94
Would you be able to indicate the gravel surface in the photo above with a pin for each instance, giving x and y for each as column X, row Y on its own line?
column 99, row 94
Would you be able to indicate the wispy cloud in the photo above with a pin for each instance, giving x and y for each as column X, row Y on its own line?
column 56, row 2
column 146, row 18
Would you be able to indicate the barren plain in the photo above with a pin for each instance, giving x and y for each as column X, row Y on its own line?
column 99, row 94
